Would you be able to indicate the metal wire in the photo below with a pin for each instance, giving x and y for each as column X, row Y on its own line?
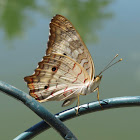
column 110, row 103
column 117, row 102
column 35, row 106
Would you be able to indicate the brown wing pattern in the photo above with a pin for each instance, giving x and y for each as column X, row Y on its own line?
column 57, row 77
column 65, row 69
column 65, row 40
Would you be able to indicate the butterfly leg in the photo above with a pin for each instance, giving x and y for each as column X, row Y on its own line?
column 83, row 94
column 78, row 104
column 98, row 97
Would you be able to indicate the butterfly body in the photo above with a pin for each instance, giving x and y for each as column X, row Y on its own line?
column 67, row 70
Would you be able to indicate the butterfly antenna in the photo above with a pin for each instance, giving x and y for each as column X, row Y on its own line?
column 109, row 64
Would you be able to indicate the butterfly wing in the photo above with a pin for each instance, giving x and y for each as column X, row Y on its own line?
column 57, row 77
column 65, row 69
column 64, row 39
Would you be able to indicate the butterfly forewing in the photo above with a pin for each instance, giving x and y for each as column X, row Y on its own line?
column 64, row 39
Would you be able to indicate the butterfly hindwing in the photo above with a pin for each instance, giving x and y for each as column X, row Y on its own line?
column 57, row 78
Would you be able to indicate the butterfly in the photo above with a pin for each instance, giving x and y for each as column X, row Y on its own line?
column 67, row 71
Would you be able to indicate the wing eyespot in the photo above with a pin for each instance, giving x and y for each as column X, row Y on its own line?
column 46, row 87
column 54, row 69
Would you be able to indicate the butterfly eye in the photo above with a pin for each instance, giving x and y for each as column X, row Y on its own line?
column 64, row 53
column 54, row 69
column 45, row 87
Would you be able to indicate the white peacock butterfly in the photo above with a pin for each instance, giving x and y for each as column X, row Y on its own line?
column 67, row 71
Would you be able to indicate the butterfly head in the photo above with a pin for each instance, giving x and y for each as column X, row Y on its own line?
column 94, row 84
column 98, row 78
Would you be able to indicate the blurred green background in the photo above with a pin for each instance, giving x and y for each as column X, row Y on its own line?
column 107, row 27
